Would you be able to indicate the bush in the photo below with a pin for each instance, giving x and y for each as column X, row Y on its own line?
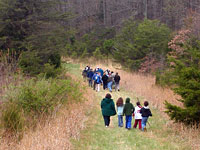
column 30, row 63
column 36, row 98
column 50, row 71
column 12, row 118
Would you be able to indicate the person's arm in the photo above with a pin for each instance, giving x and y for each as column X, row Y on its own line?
column 150, row 114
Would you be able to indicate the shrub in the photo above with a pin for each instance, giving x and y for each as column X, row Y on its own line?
column 12, row 118
column 30, row 63
column 36, row 98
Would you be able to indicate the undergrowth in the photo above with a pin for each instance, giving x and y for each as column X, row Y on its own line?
column 35, row 99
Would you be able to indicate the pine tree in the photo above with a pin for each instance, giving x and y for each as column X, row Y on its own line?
column 33, row 26
column 186, row 71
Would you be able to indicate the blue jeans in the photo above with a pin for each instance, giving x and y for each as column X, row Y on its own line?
column 110, row 86
column 128, row 121
column 120, row 120
column 144, row 122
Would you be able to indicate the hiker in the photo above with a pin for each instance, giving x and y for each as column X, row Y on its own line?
column 117, row 79
column 105, row 81
column 120, row 106
column 84, row 74
column 145, row 112
column 138, row 116
column 128, row 111
column 108, row 109
column 110, row 82
column 94, row 77
column 90, row 75
column 98, row 81
column 100, row 71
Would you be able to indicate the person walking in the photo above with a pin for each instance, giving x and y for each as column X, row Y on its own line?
column 120, row 107
column 98, row 82
column 90, row 75
column 105, row 81
column 145, row 112
column 110, row 82
column 138, row 116
column 117, row 79
column 128, row 111
column 108, row 109
column 94, row 78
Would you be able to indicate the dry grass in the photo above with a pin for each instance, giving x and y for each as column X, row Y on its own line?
column 57, row 132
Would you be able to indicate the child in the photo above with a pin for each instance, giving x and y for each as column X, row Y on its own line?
column 128, row 111
column 120, row 106
column 145, row 112
column 138, row 116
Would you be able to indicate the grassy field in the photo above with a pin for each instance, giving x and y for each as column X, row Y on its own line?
column 96, row 137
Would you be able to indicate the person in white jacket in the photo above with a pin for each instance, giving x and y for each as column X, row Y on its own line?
column 138, row 116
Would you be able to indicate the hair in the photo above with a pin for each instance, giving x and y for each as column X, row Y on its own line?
column 138, row 103
column 146, row 103
column 108, row 96
column 119, row 102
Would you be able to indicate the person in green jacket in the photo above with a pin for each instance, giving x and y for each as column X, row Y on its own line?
column 128, row 111
column 108, row 109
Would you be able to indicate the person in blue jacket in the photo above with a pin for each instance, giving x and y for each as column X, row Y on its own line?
column 98, row 81
column 94, row 77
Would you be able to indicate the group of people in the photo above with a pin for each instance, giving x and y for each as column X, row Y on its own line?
column 141, row 114
column 98, row 77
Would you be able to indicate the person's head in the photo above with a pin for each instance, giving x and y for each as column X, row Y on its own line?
column 138, row 103
column 120, row 102
column 128, row 100
column 108, row 96
column 146, row 103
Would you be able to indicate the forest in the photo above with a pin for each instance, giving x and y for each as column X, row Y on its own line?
column 157, row 38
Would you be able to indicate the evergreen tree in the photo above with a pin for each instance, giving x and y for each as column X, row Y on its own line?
column 33, row 26
column 186, row 71
column 140, row 39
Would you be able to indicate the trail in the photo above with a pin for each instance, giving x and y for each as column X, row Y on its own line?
column 96, row 137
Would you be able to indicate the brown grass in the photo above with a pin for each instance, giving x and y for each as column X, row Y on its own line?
column 58, row 130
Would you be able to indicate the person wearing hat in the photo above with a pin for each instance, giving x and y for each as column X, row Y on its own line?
column 128, row 111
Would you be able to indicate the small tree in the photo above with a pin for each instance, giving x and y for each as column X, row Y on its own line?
column 185, row 66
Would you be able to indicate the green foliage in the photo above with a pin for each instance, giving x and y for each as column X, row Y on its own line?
column 36, row 98
column 140, row 39
column 12, row 118
column 98, row 38
column 30, row 63
column 186, row 73
column 97, row 54
column 35, row 27
column 50, row 71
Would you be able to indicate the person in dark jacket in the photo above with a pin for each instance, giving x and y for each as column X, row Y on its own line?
column 146, row 112
column 105, row 81
column 128, row 111
column 90, row 75
column 117, row 79
column 108, row 109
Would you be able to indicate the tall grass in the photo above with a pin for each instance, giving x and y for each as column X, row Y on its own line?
column 8, row 67
column 35, row 99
